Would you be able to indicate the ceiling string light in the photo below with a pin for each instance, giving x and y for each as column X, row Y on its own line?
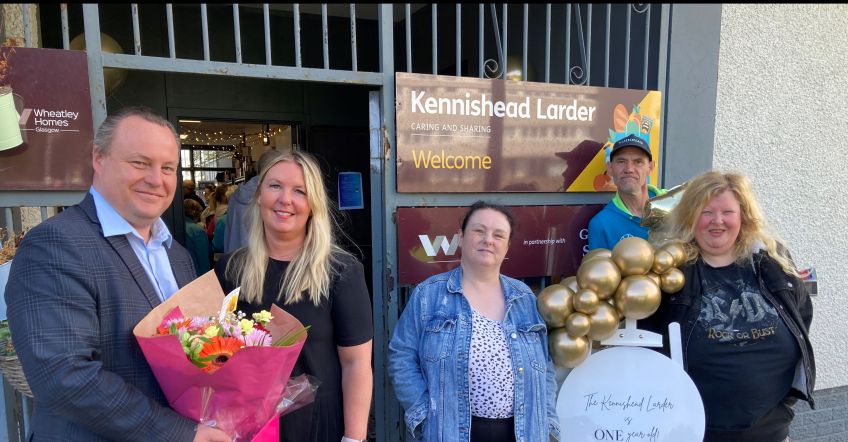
column 193, row 136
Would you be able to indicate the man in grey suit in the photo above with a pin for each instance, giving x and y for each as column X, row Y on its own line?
column 82, row 279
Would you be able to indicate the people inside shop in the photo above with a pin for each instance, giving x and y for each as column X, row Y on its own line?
column 236, row 233
column 744, row 314
column 468, row 357
column 208, row 190
column 189, row 192
column 219, row 233
column 196, row 241
column 292, row 259
column 221, row 225
column 630, row 164
column 216, row 209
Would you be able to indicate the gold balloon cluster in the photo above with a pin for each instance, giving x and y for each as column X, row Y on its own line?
column 626, row 282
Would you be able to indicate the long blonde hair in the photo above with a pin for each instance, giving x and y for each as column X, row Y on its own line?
column 311, row 268
column 754, row 233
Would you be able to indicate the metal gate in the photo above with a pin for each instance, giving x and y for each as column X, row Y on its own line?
column 609, row 45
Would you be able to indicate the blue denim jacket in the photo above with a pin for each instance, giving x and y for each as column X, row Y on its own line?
column 428, row 362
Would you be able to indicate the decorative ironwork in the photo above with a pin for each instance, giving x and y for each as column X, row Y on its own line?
column 640, row 8
column 491, row 69
column 495, row 68
column 576, row 73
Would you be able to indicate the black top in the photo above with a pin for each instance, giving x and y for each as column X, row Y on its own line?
column 742, row 356
column 342, row 319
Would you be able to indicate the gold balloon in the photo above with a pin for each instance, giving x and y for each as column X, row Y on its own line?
column 577, row 324
column 611, row 302
column 600, row 275
column 637, row 297
column 634, row 256
column 604, row 322
column 606, row 253
column 567, row 351
column 677, row 251
column 571, row 283
column 672, row 281
column 662, row 262
column 515, row 68
column 658, row 207
column 555, row 304
column 656, row 278
column 586, row 301
column 112, row 77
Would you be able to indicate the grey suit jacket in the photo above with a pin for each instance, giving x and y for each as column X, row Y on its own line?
column 73, row 299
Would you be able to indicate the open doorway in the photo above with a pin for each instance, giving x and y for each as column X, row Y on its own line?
column 220, row 154
column 217, row 156
column 226, row 151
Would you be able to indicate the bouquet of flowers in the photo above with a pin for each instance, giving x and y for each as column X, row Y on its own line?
column 210, row 341
column 215, row 365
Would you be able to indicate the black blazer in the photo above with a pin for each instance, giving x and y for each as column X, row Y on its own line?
column 73, row 299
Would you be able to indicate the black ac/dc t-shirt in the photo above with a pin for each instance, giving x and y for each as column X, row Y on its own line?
column 741, row 355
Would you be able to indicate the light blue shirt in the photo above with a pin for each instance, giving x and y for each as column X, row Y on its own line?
column 153, row 255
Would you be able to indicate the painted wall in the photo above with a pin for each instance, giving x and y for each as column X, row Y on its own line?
column 781, row 119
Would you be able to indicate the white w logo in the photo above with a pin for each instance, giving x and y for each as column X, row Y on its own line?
column 440, row 241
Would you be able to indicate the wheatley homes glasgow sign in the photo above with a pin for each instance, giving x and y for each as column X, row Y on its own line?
column 54, row 106
column 460, row 134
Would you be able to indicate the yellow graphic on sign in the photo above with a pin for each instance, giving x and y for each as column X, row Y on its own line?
column 646, row 117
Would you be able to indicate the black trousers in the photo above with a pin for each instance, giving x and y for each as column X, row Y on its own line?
column 492, row 430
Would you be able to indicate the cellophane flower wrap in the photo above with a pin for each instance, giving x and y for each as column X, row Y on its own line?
column 249, row 384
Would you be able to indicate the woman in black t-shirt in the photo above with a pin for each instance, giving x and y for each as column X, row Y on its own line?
column 293, row 261
column 744, row 314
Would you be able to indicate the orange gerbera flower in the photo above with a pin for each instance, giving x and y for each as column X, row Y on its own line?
column 165, row 328
column 220, row 349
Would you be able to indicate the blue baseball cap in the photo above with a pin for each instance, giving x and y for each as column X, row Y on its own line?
column 632, row 140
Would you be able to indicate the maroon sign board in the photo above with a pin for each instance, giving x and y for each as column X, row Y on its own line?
column 53, row 100
column 547, row 240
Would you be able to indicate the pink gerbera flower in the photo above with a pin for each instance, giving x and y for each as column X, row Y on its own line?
column 257, row 338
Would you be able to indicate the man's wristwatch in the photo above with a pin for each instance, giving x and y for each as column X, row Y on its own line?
column 347, row 439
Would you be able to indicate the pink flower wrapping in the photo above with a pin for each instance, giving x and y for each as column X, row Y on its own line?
column 245, row 390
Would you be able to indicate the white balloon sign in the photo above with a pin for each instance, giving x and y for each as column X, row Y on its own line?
column 630, row 394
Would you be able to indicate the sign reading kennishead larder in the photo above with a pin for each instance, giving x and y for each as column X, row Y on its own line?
column 459, row 134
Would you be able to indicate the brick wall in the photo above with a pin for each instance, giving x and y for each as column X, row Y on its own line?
column 827, row 423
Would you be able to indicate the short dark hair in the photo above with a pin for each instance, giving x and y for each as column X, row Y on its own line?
column 480, row 205
column 192, row 209
column 106, row 132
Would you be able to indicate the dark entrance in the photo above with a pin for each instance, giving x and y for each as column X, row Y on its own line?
column 340, row 150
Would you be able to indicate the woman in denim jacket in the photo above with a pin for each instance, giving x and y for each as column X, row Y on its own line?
column 469, row 356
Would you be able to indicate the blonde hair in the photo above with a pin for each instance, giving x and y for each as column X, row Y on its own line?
column 754, row 233
column 310, row 270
